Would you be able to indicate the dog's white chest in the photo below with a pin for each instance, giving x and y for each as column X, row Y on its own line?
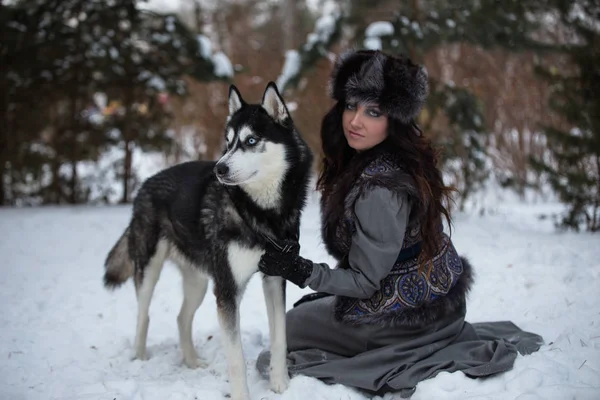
column 243, row 261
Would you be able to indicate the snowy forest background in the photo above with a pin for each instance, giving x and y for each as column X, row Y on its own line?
column 98, row 94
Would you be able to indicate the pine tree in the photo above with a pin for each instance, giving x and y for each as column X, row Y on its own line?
column 418, row 27
column 573, row 170
column 81, row 48
column 31, row 52
column 149, row 54
column 462, row 142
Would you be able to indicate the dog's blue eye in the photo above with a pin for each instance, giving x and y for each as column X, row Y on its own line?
column 251, row 141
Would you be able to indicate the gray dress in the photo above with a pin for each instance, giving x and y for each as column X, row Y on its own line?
column 377, row 358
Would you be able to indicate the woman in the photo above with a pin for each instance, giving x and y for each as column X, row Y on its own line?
column 392, row 312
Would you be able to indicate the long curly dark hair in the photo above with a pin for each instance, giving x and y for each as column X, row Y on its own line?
column 342, row 165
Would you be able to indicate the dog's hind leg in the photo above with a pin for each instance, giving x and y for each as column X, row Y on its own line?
column 194, row 289
column 274, row 290
column 145, row 282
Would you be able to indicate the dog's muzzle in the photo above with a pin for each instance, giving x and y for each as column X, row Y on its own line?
column 221, row 170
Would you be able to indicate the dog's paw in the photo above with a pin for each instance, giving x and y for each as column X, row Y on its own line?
column 194, row 363
column 238, row 396
column 279, row 382
column 140, row 355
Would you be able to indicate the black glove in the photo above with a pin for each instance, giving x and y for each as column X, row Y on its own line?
column 282, row 258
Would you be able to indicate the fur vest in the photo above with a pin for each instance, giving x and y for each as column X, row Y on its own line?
column 407, row 297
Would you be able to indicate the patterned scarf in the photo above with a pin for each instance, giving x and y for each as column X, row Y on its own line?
column 406, row 292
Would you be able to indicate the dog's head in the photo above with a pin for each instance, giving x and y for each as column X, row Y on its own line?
column 259, row 139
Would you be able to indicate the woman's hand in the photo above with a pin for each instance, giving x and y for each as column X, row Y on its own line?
column 282, row 258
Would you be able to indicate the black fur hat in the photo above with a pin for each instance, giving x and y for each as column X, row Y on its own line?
column 394, row 83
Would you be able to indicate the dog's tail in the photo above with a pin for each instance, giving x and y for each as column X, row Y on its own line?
column 118, row 265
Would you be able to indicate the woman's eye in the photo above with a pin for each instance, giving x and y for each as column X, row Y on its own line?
column 350, row 106
column 374, row 113
column 251, row 141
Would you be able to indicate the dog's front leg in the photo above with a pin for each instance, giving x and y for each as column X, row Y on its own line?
column 274, row 290
column 229, row 319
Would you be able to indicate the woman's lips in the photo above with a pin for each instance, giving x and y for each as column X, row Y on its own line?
column 354, row 134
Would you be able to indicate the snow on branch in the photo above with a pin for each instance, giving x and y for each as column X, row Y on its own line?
column 291, row 67
column 327, row 28
column 222, row 66
column 375, row 31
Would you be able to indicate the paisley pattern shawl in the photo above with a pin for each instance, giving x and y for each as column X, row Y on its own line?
column 406, row 296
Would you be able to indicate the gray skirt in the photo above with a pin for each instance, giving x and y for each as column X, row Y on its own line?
column 378, row 359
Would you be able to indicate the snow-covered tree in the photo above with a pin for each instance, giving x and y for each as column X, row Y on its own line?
column 573, row 169
column 417, row 28
column 59, row 55
column 326, row 31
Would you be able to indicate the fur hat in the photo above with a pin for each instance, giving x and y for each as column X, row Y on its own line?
column 394, row 83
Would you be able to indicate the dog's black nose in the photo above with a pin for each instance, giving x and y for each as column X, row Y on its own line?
column 221, row 169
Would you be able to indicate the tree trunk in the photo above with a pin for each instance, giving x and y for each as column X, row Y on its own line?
column 128, row 141
column 596, row 202
column 412, row 52
column 5, row 139
column 73, row 195
column 126, row 168
column 2, row 185
column 223, row 31
column 3, row 156
column 289, row 24
column 54, row 195
column 77, row 102
column 198, row 16
column 72, row 143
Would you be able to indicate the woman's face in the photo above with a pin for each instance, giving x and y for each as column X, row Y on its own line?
column 364, row 126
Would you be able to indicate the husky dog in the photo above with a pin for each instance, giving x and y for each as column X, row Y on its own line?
column 212, row 219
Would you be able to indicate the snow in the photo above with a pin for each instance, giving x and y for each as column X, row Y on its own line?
column 380, row 28
column 324, row 28
column 102, row 178
column 417, row 29
column 64, row 336
column 372, row 43
column 178, row 5
column 222, row 64
column 114, row 53
column 100, row 100
column 157, row 83
column 374, row 32
column 291, row 68
column 205, row 46
column 170, row 23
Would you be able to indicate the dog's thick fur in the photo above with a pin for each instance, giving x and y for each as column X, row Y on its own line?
column 211, row 219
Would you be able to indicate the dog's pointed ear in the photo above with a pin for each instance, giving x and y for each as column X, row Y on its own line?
column 273, row 103
column 235, row 100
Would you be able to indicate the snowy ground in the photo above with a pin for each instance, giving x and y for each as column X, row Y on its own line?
column 63, row 336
